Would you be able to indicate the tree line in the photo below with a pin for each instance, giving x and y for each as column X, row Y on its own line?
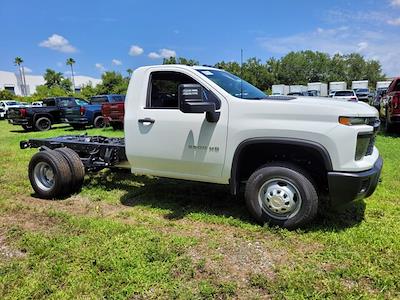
column 294, row 68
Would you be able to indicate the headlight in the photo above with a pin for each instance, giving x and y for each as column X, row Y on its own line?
column 351, row 121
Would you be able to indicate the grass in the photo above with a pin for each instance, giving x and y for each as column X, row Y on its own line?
column 139, row 237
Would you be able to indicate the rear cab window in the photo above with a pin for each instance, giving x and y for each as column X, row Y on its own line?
column 98, row 99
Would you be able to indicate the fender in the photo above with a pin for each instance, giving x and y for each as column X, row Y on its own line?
column 234, row 182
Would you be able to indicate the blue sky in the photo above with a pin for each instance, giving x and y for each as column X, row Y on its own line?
column 116, row 35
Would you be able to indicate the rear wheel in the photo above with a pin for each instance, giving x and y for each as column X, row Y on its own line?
column 49, row 174
column 43, row 124
column 281, row 194
column 99, row 122
column 76, row 167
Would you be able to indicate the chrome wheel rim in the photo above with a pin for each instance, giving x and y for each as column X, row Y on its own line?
column 44, row 176
column 280, row 198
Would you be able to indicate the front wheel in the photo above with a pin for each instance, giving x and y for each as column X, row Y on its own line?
column 281, row 194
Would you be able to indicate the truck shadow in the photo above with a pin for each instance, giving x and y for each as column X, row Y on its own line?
column 180, row 198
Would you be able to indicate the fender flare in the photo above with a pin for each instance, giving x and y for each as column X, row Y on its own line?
column 234, row 182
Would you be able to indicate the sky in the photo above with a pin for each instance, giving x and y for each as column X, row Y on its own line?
column 117, row 35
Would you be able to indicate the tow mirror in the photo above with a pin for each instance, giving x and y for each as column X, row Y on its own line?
column 191, row 99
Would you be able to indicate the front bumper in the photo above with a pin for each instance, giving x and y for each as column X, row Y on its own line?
column 345, row 187
column 18, row 121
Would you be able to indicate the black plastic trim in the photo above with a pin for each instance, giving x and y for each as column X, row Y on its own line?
column 234, row 182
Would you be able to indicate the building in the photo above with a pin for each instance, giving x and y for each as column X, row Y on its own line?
column 12, row 82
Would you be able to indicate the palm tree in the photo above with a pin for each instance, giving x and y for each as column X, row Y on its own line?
column 18, row 62
column 70, row 61
column 129, row 71
column 52, row 78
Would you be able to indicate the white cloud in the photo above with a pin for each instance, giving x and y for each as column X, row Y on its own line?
column 394, row 22
column 58, row 43
column 395, row 2
column 100, row 67
column 162, row 53
column 154, row 55
column 373, row 44
column 135, row 50
column 27, row 70
column 116, row 62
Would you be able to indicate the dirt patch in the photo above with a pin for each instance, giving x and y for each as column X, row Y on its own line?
column 6, row 251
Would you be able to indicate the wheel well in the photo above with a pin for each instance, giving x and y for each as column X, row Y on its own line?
column 37, row 116
column 250, row 156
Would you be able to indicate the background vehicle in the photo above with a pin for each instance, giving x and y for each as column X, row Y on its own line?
column 362, row 94
column 346, row 95
column 113, row 112
column 318, row 89
column 5, row 105
column 89, row 113
column 298, row 89
column 42, row 117
column 280, row 89
column 337, row 86
column 298, row 94
column 205, row 124
column 37, row 103
column 390, row 105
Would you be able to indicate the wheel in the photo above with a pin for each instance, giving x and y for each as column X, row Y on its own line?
column 76, row 167
column 78, row 126
column 281, row 194
column 43, row 124
column 99, row 122
column 27, row 127
column 49, row 174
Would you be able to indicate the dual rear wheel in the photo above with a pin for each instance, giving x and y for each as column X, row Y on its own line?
column 56, row 173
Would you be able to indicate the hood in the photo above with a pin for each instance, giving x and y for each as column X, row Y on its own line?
column 343, row 108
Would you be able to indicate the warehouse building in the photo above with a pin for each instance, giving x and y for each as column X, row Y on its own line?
column 12, row 82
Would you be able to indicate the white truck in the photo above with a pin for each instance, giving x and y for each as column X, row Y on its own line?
column 291, row 154
column 382, row 85
column 359, row 84
column 297, row 88
column 280, row 89
column 318, row 89
column 337, row 86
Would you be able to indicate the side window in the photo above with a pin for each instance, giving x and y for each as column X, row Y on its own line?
column 163, row 91
column 397, row 86
column 49, row 102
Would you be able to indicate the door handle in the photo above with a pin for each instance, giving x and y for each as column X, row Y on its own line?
column 146, row 120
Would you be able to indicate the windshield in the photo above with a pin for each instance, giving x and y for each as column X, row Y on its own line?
column 362, row 91
column 233, row 84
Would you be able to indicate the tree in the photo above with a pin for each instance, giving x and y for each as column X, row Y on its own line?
column 129, row 71
column 180, row 60
column 6, row 95
column 70, row 61
column 18, row 62
column 112, row 83
column 52, row 78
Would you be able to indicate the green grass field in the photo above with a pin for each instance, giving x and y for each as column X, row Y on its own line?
column 138, row 237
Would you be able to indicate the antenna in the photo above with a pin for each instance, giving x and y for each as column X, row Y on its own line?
column 241, row 73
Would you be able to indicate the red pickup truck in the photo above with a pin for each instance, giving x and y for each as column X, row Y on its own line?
column 113, row 113
column 390, row 105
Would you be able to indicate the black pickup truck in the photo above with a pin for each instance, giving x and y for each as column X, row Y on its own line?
column 41, row 118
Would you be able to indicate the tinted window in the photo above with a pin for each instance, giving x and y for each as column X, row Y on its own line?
column 99, row 99
column 49, row 102
column 344, row 93
column 164, row 90
column 12, row 103
column 81, row 102
column 397, row 86
column 66, row 102
column 118, row 98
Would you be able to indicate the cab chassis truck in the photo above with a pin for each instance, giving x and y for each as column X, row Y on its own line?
column 291, row 154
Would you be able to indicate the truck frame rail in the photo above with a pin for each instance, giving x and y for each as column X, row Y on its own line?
column 95, row 152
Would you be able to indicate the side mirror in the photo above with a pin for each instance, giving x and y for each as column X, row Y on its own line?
column 191, row 100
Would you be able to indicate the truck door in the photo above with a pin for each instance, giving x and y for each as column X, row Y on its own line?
column 170, row 143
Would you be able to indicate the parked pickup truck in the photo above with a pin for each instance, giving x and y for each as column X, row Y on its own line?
column 89, row 113
column 5, row 105
column 390, row 105
column 113, row 112
column 291, row 154
column 42, row 117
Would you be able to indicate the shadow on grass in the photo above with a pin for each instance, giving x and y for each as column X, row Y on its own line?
column 181, row 198
column 32, row 130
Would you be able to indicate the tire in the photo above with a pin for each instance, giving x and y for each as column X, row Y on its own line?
column 43, row 124
column 99, row 122
column 27, row 127
column 76, row 167
column 49, row 174
column 292, row 199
